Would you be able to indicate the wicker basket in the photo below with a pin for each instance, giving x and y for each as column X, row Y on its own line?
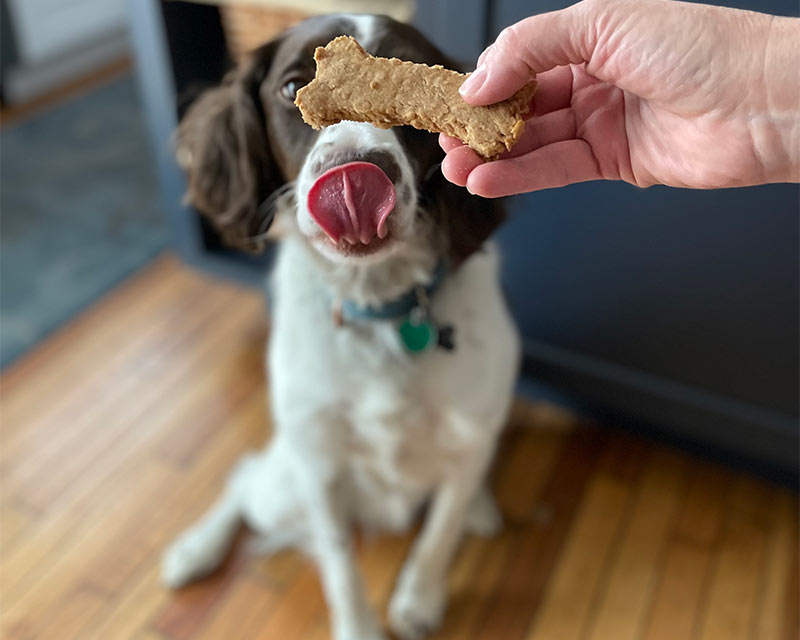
column 248, row 27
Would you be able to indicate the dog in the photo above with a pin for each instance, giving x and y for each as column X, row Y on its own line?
column 392, row 357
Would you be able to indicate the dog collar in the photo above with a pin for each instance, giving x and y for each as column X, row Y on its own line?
column 417, row 328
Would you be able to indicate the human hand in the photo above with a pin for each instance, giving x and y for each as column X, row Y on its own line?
column 645, row 91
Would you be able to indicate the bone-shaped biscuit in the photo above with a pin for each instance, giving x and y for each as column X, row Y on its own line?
column 350, row 84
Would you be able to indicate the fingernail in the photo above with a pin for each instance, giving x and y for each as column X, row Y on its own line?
column 474, row 82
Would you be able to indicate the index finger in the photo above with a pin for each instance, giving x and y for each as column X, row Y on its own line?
column 533, row 45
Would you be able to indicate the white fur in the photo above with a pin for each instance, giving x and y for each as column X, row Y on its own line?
column 365, row 29
column 366, row 433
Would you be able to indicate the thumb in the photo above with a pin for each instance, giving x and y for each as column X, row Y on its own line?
column 531, row 46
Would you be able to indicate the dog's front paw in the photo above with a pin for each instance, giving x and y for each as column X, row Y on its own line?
column 416, row 608
column 189, row 558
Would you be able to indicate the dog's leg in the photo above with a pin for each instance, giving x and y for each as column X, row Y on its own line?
column 483, row 517
column 420, row 594
column 351, row 615
column 200, row 549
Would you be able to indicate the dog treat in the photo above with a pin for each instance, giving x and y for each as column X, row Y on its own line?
column 350, row 84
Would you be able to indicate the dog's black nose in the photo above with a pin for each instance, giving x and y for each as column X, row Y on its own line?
column 383, row 159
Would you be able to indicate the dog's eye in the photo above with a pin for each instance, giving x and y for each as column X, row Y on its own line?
column 290, row 89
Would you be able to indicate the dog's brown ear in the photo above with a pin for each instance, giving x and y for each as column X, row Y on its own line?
column 222, row 144
column 466, row 220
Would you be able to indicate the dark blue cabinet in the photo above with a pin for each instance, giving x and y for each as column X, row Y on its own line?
column 676, row 307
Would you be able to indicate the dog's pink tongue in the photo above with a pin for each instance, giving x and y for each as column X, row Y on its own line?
column 352, row 201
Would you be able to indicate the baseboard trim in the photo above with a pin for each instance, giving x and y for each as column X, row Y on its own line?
column 24, row 83
column 691, row 414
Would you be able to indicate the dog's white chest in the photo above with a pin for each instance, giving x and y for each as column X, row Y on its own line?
column 394, row 458
column 394, row 424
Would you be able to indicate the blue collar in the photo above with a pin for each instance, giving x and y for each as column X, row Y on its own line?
column 397, row 308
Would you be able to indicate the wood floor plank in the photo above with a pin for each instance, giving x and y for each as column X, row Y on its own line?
column 791, row 620
column 544, row 415
column 297, row 611
column 237, row 379
column 108, row 572
column 471, row 611
column 778, row 570
column 518, row 479
column 96, row 430
column 678, row 597
column 380, row 561
column 112, row 570
column 733, row 592
column 52, row 583
column 320, row 630
column 74, row 613
column 63, row 536
column 702, row 514
column 150, row 634
column 130, row 611
column 53, row 537
column 567, row 603
column 89, row 395
column 12, row 522
column 69, row 404
column 626, row 459
column 187, row 612
column 625, row 600
column 537, row 544
column 35, row 367
column 135, row 428
column 469, row 562
column 184, row 504
column 244, row 613
column 48, row 371
column 753, row 499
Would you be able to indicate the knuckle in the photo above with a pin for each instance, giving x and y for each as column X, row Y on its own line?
column 509, row 38
column 510, row 49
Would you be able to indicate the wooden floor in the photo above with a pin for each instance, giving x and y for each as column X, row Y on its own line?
column 118, row 431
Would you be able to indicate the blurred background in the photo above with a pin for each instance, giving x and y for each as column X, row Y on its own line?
column 655, row 495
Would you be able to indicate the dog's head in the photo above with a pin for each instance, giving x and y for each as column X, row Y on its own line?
column 361, row 193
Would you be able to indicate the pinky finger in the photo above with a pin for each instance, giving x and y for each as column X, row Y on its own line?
column 555, row 165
